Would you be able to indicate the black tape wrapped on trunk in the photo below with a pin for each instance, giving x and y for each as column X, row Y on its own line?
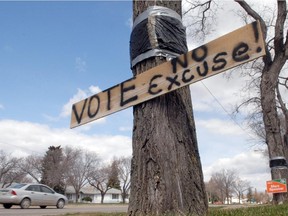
column 166, row 36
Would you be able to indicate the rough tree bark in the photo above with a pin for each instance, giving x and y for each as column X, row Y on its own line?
column 166, row 175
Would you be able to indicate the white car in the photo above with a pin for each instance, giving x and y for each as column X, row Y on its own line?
column 27, row 195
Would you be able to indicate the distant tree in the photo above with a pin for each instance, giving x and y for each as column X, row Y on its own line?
column 100, row 179
column 124, row 172
column 10, row 170
column 213, row 194
column 14, row 175
column 240, row 186
column 264, row 197
column 250, row 195
column 257, row 196
column 68, row 162
column 79, row 168
column 32, row 165
column 52, row 169
column 225, row 180
column 114, row 181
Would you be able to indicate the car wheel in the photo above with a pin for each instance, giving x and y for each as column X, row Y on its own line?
column 7, row 206
column 25, row 203
column 60, row 204
column 43, row 207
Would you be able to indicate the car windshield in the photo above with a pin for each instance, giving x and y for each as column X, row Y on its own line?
column 17, row 185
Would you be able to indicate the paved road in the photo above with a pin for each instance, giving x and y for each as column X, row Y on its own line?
column 49, row 211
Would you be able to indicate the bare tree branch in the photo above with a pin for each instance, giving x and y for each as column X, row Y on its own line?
column 253, row 14
column 197, row 4
column 201, row 16
column 256, row 16
column 255, row 100
column 282, row 107
column 280, row 21
column 285, row 84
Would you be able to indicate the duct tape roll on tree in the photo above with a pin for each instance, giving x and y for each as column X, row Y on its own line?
column 157, row 32
column 278, row 163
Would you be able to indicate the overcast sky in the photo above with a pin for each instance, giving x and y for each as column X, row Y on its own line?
column 55, row 53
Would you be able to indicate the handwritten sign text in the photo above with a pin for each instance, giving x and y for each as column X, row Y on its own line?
column 233, row 49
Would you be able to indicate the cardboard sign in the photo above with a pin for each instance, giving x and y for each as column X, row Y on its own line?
column 226, row 52
column 276, row 186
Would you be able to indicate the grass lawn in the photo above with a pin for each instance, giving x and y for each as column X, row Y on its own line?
column 267, row 210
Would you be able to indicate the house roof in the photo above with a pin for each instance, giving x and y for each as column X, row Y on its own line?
column 90, row 190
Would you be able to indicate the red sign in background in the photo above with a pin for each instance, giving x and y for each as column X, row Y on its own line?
column 276, row 186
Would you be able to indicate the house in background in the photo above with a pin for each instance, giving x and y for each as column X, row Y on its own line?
column 112, row 196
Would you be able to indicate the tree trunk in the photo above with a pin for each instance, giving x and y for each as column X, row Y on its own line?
column 123, row 199
column 268, row 87
column 77, row 196
column 274, row 139
column 102, row 197
column 166, row 173
column 123, row 196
